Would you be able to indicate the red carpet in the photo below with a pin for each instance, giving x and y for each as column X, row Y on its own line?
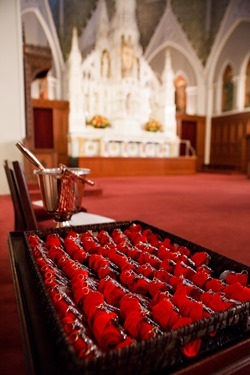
column 212, row 210
column 209, row 209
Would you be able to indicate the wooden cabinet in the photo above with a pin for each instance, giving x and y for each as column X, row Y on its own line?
column 229, row 146
column 48, row 139
column 51, row 126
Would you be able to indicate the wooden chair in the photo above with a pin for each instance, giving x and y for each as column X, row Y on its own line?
column 27, row 216
column 18, row 214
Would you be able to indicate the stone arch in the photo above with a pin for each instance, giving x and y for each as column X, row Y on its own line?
column 161, row 50
column 233, row 17
column 183, row 60
column 58, row 62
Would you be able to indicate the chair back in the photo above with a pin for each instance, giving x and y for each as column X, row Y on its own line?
column 18, row 214
column 26, row 203
column 25, row 218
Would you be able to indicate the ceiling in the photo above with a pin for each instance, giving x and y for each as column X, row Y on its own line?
column 200, row 19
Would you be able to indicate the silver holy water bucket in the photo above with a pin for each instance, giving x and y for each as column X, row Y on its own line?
column 62, row 191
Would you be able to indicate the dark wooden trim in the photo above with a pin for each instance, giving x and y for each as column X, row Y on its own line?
column 229, row 145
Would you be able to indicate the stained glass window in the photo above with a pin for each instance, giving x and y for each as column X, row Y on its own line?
column 228, row 89
column 247, row 86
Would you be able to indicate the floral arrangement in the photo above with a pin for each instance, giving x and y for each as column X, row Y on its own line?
column 98, row 121
column 153, row 126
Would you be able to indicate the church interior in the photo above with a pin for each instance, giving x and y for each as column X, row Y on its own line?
column 152, row 97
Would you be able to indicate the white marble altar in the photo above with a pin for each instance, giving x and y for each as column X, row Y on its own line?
column 115, row 81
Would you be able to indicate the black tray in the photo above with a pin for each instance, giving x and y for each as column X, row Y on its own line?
column 163, row 352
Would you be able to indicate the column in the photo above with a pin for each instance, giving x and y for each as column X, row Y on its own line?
column 12, row 108
column 191, row 93
column 239, row 84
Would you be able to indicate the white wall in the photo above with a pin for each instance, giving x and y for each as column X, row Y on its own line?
column 12, row 113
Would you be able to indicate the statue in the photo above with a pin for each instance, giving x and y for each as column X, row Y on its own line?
column 105, row 64
column 127, row 57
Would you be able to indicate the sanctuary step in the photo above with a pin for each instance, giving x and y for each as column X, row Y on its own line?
column 138, row 166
